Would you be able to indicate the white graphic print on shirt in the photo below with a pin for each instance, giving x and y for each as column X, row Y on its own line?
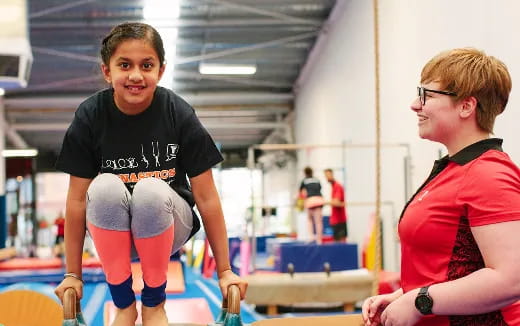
column 140, row 172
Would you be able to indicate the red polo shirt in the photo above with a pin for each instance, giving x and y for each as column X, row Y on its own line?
column 338, row 214
column 478, row 186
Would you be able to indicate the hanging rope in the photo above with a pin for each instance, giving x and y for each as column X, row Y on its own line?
column 377, row 217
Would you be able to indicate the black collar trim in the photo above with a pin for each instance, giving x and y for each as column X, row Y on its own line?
column 473, row 151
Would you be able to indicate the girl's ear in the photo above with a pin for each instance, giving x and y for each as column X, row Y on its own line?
column 161, row 71
column 106, row 73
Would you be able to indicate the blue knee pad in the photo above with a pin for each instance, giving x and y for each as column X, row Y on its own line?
column 151, row 297
column 122, row 294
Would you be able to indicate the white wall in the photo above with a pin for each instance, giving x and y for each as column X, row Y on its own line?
column 335, row 101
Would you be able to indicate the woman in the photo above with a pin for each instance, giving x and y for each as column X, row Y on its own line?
column 459, row 232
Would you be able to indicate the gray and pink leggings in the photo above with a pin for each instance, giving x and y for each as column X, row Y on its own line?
column 152, row 223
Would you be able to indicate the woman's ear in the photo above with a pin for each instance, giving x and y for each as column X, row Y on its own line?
column 469, row 106
column 106, row 73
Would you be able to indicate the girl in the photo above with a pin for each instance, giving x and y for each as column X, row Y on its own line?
column 130, row 151
column 310, row 189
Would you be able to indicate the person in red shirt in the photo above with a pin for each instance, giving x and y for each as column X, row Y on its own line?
column 459, row 232
column 59, row 222
column 338, row 214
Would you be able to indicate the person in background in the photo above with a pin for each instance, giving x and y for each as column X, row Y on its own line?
column 12, row 230
column 310, row 189
column 460, row 262
column 59, row 243
column 338, row 214
column 130, row 151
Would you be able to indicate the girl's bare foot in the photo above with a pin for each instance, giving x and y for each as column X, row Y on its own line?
column 154, row 316
column 126, row 316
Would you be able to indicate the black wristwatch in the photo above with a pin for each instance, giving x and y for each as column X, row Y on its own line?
column 423, row 301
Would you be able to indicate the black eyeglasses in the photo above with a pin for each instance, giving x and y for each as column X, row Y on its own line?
column 421, row 92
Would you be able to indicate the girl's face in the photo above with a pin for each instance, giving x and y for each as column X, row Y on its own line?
column 134, row 71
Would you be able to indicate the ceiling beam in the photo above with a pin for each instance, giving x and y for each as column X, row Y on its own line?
column 195, row 99
column 316, row 53
column 59, row 8
column 173, row 23
column 280, row 16
column 202, row 110
column 268, row 44
column 210, row 125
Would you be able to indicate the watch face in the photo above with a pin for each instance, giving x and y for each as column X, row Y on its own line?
column 423, row 303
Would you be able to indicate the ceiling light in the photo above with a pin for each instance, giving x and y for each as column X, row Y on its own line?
column 29, row 152
column 226, row 69
column 162, row 14
column 161, row 9
column 2, row 92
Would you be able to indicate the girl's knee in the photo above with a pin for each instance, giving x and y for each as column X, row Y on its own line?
column 151, row 207
column 106, row 187
column 151, row 192
column 107, row 203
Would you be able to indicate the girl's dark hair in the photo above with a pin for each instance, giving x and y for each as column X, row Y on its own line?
column 308, row 172
column 132, row 30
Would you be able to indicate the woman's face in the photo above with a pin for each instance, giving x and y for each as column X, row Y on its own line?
column 438, row 116
column 134, row 71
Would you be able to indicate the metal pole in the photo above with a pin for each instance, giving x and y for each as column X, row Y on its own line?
column 252, row 247
column 3, row 210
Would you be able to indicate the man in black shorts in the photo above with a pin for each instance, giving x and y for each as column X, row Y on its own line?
column 338, row 215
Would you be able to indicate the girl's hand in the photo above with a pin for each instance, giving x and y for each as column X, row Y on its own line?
column 69, row 282
column 226, row 278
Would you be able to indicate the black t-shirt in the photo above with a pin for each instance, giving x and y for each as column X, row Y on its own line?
column 312, row 186
column 165, row 141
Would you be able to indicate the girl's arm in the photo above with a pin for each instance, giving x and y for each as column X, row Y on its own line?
column 75, row 225
column 208, row 204
column 75, row 216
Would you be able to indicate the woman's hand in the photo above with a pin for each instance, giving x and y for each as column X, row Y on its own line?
column 226, row 278
column 373, row 307
column 402, row 311
column 69, row 282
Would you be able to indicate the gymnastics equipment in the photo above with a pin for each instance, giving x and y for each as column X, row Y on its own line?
column 175, row 277
column 15, row 50
column 344, row 146
column 7, row 253
column 272, row 290
column 369, row 245
column 16, row 270
column 28, row 307
column 343, row 320
column 72, row 315
column 191, row 310
column 230, row 315
column 209, row 264
column 311, row 257
column 245, row 256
